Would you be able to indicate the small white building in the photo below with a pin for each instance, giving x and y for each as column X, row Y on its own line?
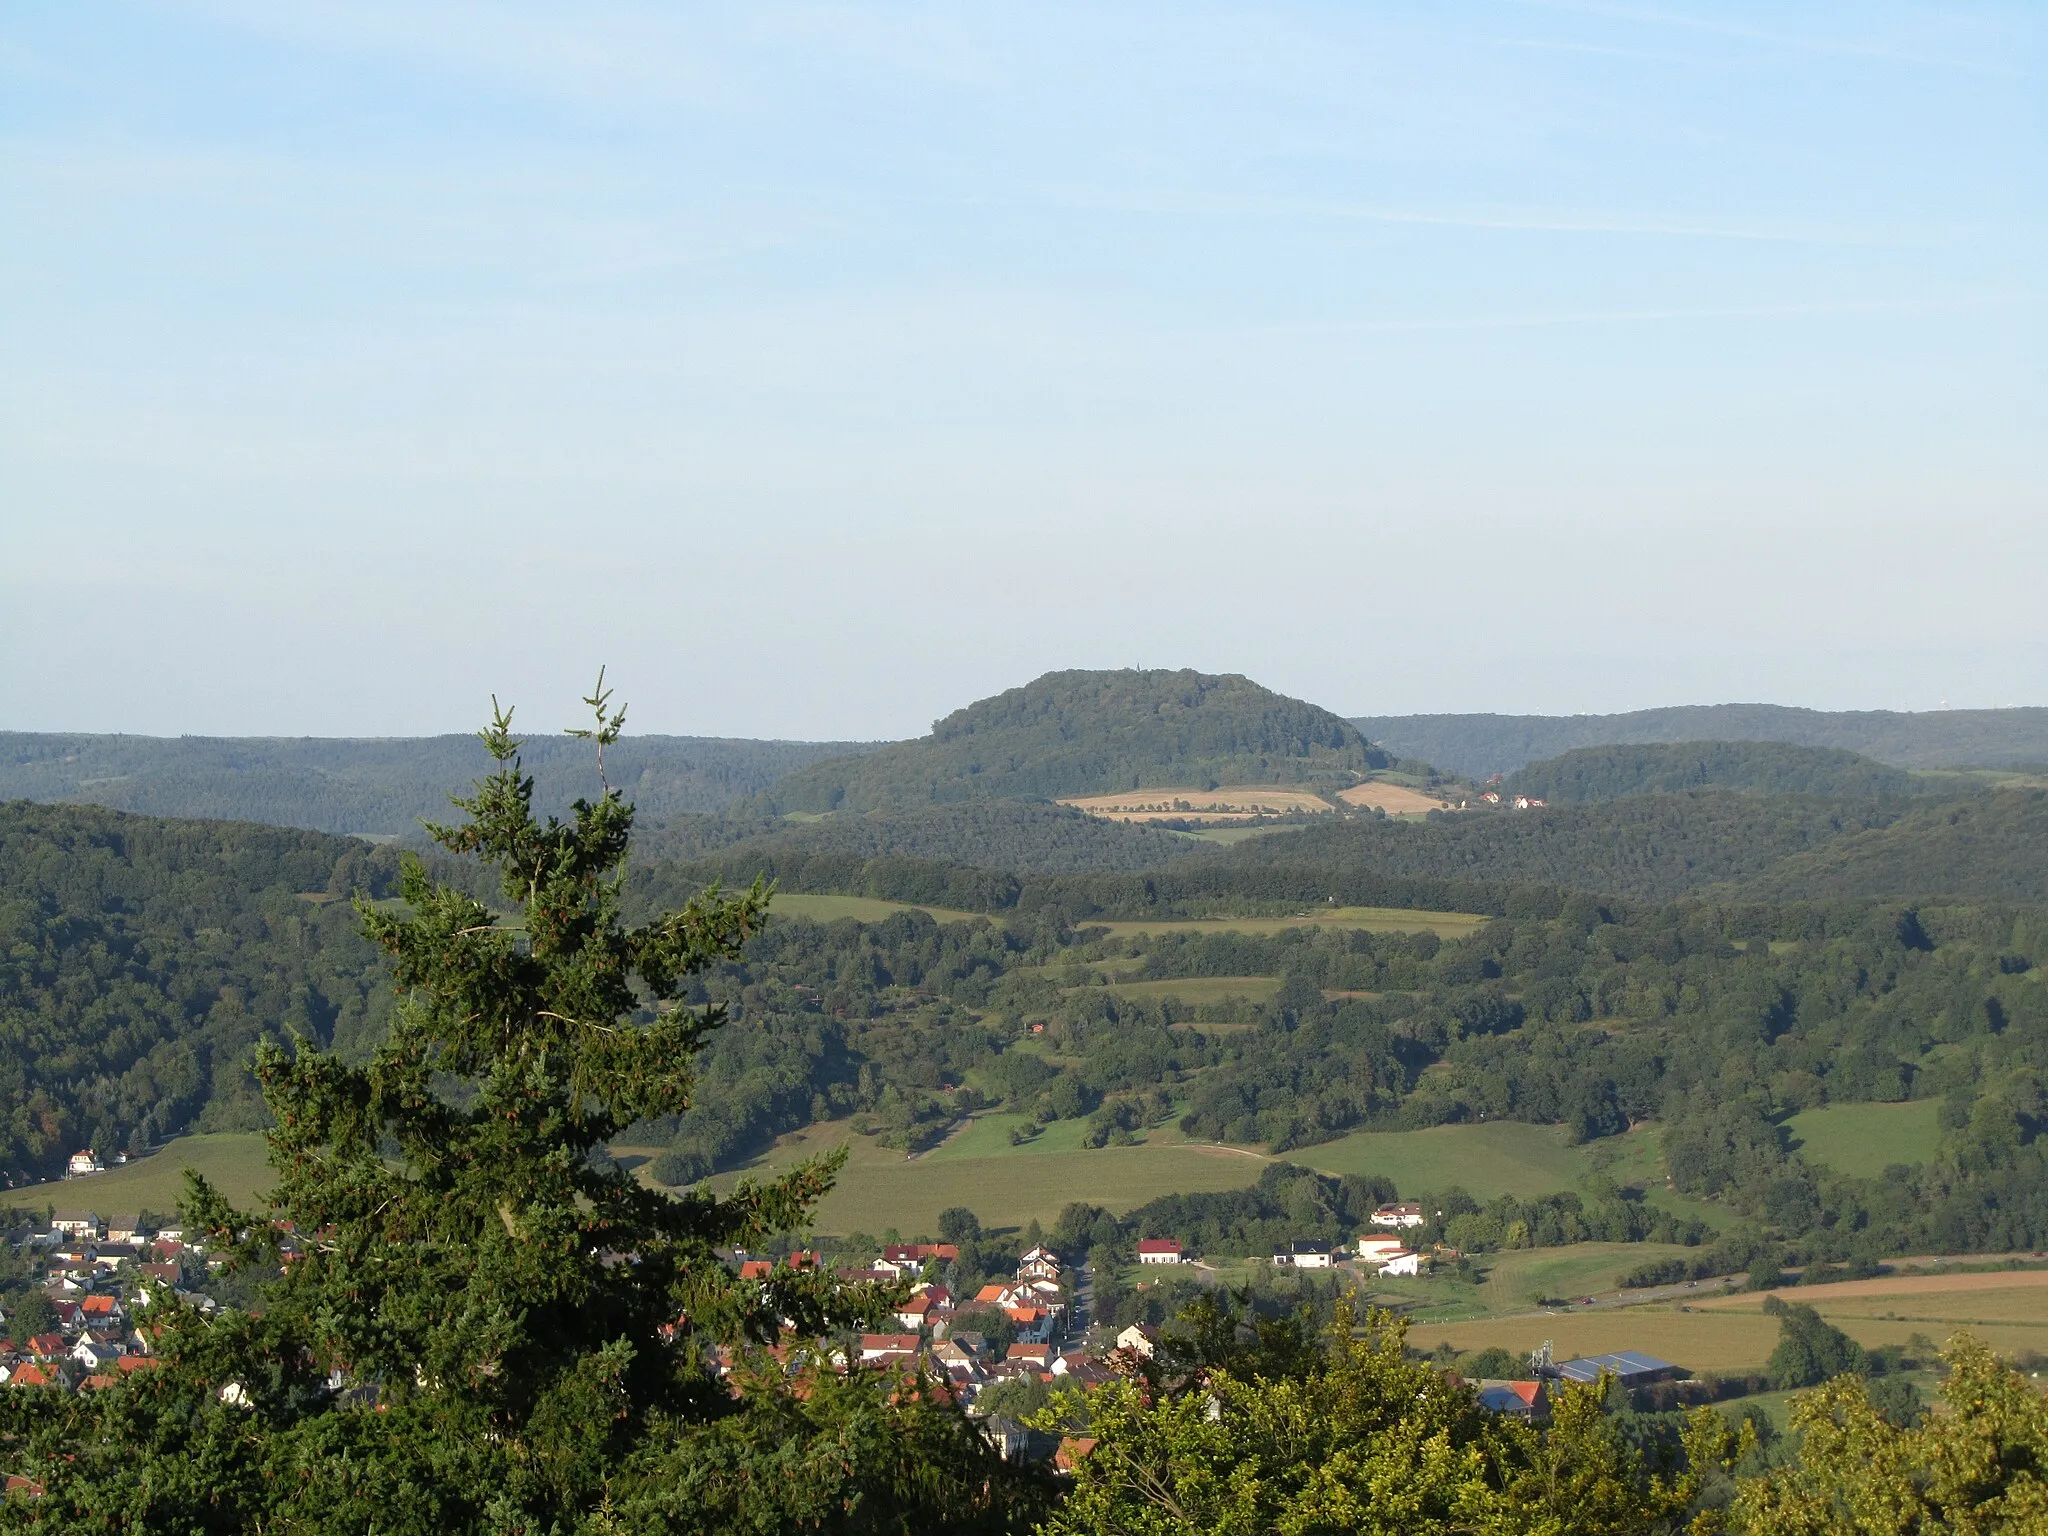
column 1138, row 1339
column 1307, row 1255
column 76, row 1224
column 1401, row 1262
column 83, row 1163
column 1406, row 1214
column 1160, row 1250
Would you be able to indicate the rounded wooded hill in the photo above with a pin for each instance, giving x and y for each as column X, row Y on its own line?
column 1085, row 733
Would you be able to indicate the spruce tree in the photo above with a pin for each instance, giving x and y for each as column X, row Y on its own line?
column 475, row 1323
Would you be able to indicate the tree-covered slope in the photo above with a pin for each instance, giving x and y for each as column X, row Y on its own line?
column 382, row 785
column 1023, row 836
column 1650, row 847
column 1989, row 847
column 1757, row 767
column 141, row 959
column 1479, row 745
column 1078, row 733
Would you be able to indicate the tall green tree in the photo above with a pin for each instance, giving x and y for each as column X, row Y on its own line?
column 477, row 1325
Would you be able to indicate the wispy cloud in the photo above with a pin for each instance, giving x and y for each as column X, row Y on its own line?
column 1722, row 26
column 1550, row 318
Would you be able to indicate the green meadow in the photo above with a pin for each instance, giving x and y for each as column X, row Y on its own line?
column 234, row 1161
column 1862, row 1140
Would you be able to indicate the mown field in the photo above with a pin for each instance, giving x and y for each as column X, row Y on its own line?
column 2008, row 1310
column 235, row 1162
column 1862, row 1140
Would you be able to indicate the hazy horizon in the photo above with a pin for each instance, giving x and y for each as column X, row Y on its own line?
column 823, row 370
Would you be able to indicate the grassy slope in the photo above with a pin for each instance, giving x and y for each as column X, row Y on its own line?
column 235, row 1162
column 1864, row 1139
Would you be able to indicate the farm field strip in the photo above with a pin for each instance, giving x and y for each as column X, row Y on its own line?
column 1862, row 1140
column 866, row 909
column 1231, row 803
column 1394, row 799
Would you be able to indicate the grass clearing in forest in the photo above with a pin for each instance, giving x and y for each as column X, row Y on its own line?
column 1498, row 1157
column 865, row 909
column 1862, row 1140
column 237, row 1163
column 1445, row 925
column 1005, row 1186
column 1197, row 990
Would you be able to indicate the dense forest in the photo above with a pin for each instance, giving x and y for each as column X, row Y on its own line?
column 1030, row 837
column 1079, row 733
column 1759, row 767
column 1992, row 846
column 141, row 961
column 1480, row 745
column 382, row 786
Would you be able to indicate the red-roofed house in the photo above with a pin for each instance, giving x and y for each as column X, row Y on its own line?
column 1159, row 1250
column 888, row 1348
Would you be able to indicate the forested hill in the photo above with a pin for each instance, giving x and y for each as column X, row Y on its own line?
column 1479, row 745
column 1758, row 767
column 1992, row 845
column 140, row 961
column 1077, row 733
column 1024, row 836
column 378, row 785
column 1719, row 844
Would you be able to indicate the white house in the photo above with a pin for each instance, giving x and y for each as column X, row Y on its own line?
column 83, row 1163
column 76, row 1224
column 1375, row 1246
column 1159, row 1250
column 1039, row 1264
column 1304, row 1255
column 1407, row 1214
column 1138, row 1339
column 1401, row 1262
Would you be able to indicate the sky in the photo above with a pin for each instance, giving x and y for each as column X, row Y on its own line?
column 818, row 369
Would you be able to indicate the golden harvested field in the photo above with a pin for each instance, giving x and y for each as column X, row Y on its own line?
column 1394, row 799
column 1697, row 1340
column 1234, row 803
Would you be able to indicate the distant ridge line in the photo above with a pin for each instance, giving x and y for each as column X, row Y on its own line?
column 1483, row 744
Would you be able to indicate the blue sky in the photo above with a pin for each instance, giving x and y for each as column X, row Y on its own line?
column 822, row 368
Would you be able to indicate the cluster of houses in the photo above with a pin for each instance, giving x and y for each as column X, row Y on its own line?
column 99, row 1277
column 1379, row 1252
column 1034, row 1302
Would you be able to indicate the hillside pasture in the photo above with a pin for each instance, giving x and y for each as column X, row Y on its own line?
column 235, row 1162
column 1228, row 806
column 1197, row 990
column 1005, row 1186
column 1500, row 1157
column 1394, row 799
column 1445, row 925
column 1862, row 1140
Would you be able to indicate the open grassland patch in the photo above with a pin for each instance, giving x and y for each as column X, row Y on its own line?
column 865, row 909
column 1699, row 1341
column 1862, row 1140
column 1197, row 990
column 880, row 1189
column 2010, row 1295
column 236, row 1162
column 1502, row 1157
column 1445, row 925
column 1394, row 799
column 1236, row 803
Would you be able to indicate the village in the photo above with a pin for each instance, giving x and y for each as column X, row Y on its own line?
column 83, row 1323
